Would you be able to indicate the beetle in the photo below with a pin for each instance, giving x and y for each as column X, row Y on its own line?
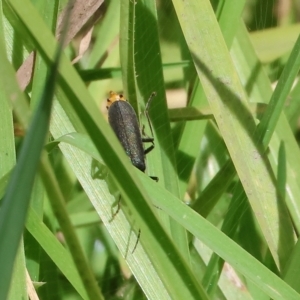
column 123, row 120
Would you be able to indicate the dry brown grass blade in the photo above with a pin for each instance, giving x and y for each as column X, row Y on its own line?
column 84, row 45
column 82, row 12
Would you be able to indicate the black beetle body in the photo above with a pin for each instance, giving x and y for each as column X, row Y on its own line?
column 123, row 120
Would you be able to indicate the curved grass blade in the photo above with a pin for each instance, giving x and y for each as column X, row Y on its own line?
column 60, row 211
column 227, row 249
column 159, row 246
column 140, row 34
column 229, row 105
column 100, row 194
column 16, row 200
column 242, row 261
column 60, row 256
column 8, row 158
column 258, row 87
column 49, row 12
column 269, row 121
column 269, row 47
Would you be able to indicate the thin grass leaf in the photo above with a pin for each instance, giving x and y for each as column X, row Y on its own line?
column 142, row 78
column 87, row 277
column 60, row 256
column 291, row 272
column 211, row 236
column 229, row 14
column 214, row 190
column 292, row 107
column 258, row 87
column 104, row 36
column 269, row 121
column 92, row 186
column 100, row 194
column 93, row 75
column 113, row 155
column 60, row 211
column 8, row 160
column 16, row 201
column 127, row 25
column 270, row 44
column 237, row 257
column 203, row 112
column 77, row 21
column 3, row 183
column 49, row 11
column 230, row 108
column 190, row 136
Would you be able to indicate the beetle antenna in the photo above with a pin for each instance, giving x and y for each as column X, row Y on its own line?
column 153, row 94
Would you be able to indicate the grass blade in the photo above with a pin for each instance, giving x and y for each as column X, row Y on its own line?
column 242, row 261
column 164, row 256
column 16, row 200
column 230, row 108
column 269, row 121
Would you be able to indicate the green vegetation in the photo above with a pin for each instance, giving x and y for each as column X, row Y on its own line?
column 222, row 221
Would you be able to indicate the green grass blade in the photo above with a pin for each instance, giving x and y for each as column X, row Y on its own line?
column 100, row 194
column 101, row 197
column 188, row 143
column 127, row 25
column 49, row 11
column 237, row 257
column 140, row 32
column 49, row 242
column 104, row 36
column 230, row 13
column 129, row 186
column 292, row 108
column 269, row 121
column 60, row 256
column 16, row 201
column 272, row 43
column 190, row 137
column 3, row 183
column 59, row 208
column 258, row 87
column 211, row 236
column 89, row 187
column 8, row 159
column 230, row 108
column 291, row 272
column 214, row 190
